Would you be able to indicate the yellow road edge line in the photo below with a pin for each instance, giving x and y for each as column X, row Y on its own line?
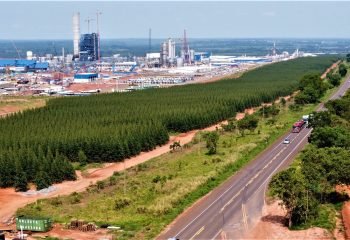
column 197, row 233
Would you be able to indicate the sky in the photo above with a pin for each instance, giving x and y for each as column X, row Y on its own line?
column 201, row 19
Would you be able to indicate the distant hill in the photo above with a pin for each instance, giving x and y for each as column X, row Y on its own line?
column 138, row 47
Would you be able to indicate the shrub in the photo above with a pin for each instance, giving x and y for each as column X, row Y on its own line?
column 121, row 203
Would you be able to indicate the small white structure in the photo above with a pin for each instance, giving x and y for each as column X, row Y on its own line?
column 29, row 55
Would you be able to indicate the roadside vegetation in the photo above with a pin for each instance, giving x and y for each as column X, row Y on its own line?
column 307, row 188
column 143, row 200
column 112, row 127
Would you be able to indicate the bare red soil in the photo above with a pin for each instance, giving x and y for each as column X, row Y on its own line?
column 346, row 219
column 346, row 210
column 104, row 87
column 61, row 232
column 330, row 69
column 8, row 109
column 10, row 200
column 271, row 226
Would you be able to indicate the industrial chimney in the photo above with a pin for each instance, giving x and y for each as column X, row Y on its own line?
column 76, row 33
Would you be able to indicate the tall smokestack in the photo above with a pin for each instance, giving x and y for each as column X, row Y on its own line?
column 76, row 33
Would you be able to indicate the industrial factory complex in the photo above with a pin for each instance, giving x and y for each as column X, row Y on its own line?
column 84, row 71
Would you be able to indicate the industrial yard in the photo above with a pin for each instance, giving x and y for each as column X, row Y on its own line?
column 84, row 71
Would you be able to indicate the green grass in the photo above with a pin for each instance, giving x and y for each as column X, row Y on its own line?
column 159, row 190
column 83, row 168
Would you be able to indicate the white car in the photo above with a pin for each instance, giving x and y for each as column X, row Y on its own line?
column 286, row 141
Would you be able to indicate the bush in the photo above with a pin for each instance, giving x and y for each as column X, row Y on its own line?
column 100, row 185
column 55, row 201
column 75, row 198
column 342, row 70
column 212, row 139
column 121, row 203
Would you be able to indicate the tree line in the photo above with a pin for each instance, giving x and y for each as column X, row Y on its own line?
column 305, row 186
column 112, row 127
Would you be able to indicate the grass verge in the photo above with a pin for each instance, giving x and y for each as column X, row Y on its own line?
column 147, row 197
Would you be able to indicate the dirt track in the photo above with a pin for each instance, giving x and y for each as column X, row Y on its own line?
column 10, row 200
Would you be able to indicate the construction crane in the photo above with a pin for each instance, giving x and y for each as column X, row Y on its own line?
column 88, row 20
column 54, row 49
column 14, row 45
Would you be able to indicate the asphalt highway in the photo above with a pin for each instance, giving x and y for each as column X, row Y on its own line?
column 209, row 216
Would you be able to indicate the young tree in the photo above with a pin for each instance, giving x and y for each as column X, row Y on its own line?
column 212, row 141
column 290, row 186
column 82, row 158
column 342, row 70
column 283, row 101
column 320, row 119
column 249, row 122
column 21, row 182
column 334, row 79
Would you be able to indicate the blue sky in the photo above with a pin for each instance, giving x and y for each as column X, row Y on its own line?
column 202, row 19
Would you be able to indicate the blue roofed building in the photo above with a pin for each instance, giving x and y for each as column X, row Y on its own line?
column 22, row 65
column 85, row 77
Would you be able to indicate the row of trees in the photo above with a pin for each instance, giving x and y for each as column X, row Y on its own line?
column 324, row 164
column 19, row 167
column 112, row 127
column 312, row 87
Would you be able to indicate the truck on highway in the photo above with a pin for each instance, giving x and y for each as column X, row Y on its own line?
column 306, row 119
column 298, row 126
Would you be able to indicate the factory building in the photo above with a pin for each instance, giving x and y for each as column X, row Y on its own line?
column 168, row 53
column 22, row 65
column 88, row 47
column 85, row 77
column 201, row 56
column 153, row 59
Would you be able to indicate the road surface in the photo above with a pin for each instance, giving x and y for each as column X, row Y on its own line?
column 232, row 208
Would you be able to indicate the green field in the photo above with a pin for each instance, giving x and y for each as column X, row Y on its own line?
column 112, row 127
column 147, row 197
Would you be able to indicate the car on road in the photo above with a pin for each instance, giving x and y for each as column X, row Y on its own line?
column 286, row 141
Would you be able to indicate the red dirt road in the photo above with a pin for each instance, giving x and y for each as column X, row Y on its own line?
column 10, row 200
column 329, row 69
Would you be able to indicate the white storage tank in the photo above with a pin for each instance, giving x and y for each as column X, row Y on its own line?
column 29, row 55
